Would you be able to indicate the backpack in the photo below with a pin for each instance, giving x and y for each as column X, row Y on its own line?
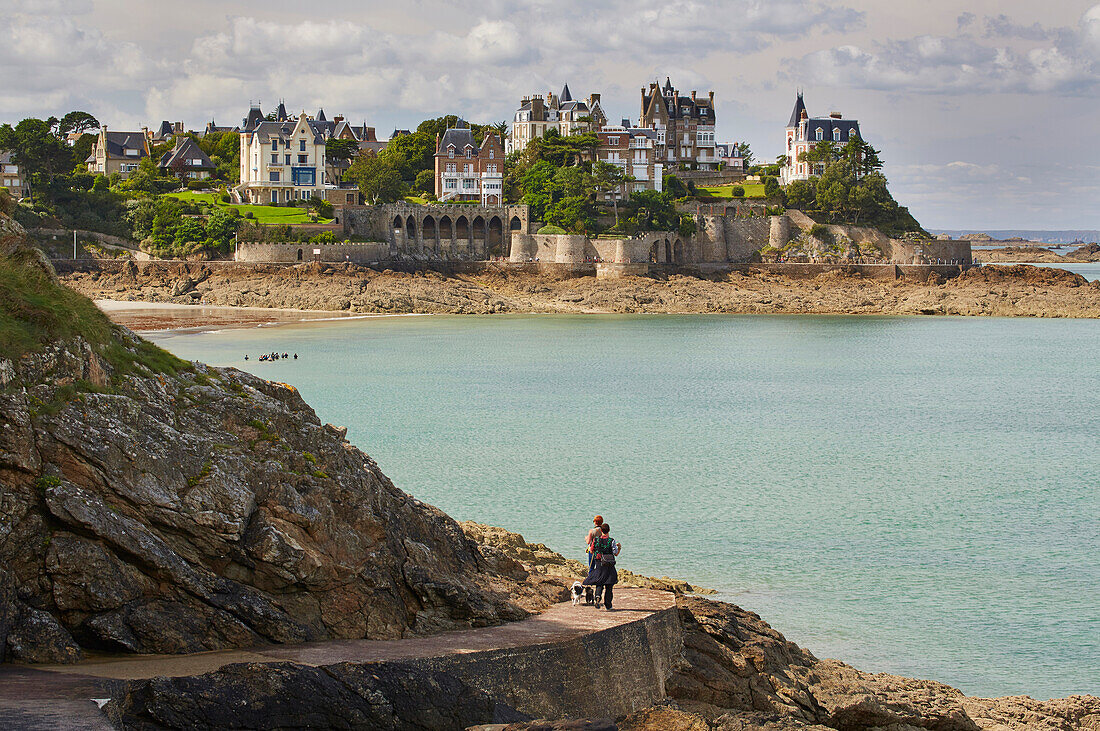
column 608, row 556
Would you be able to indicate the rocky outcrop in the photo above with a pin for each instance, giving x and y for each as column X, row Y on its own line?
column 352, row 288
column 538, row 560
column 154, row 506
column 387, row 697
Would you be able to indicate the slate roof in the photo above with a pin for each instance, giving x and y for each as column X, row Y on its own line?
column 799, row 107
column 255, row 116
column 119, row 142
column 186, row 150
column 165, row 131
column 283, row 130
column 5, row 157
column 565, row 95
column 460, row 137
column 320, row 116
column 280, row 113
column 827, row 125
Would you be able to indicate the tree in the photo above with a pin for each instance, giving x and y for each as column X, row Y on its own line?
column 409, row 154
column 608, row 178
column 538, row 187
column 377, row 177
column 37, row 150
column 771, row 187
column 674, row 186
column 745, row 152
column 339, row 150
column 737, row 191
column 76, row 122
column 425, row 182
column 801, row 194
column 648, row 210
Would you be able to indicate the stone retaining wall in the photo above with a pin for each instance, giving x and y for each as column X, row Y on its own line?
column 359, row 253
column 607, row 673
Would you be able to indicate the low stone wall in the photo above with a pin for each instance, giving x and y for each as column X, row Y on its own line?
column 709, row 177
column 603, row 674
column 359, row 253
column 613, row 270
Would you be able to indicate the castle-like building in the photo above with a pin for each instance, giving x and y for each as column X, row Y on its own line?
column 466, row 171
column 281, row 160
column 537, row 114
column 684, row 126
column 802, row 135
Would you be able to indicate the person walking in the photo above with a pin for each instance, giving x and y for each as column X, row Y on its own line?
column 590, row 539
column 603, row 574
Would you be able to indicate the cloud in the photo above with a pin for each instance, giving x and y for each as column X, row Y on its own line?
column 1067, row 64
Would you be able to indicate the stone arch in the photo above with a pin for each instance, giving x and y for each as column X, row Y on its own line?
column 668, row 252
column 515, row 224
column 478, row 227
column 430, row 231
column 446, row 229
column 462, row 228
column 494, row 238
column 654, row 253
column 410, row 228
column 299, row 254
column 678, row 252
column 398, row 224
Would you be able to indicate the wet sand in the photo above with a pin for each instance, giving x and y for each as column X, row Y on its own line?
column 159, row 316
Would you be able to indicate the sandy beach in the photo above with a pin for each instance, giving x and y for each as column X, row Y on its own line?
column 159, row 316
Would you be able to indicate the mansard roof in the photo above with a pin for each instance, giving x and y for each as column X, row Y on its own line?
column 799, row 107
column 165, row 130
column 565, row 95
column 321, row 115
column 185, row 152
column 828, row 124
column 460, row 137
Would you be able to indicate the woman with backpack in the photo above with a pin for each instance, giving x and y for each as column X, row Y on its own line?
column 603, row 575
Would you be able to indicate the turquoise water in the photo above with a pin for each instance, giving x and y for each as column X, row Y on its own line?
column 913, row 495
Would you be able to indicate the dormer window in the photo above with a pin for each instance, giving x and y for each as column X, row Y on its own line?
column 836, row 135
column 275, row 145
column 451, row 151
column 492, row 153
column 820, row 133
column 469, row 153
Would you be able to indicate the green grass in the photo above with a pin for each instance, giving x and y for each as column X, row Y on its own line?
column 416, row 199
column 36, row 311
column 261, row 214
column 752, row 190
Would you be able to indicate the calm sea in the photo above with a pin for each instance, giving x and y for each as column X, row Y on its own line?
column 913, row 495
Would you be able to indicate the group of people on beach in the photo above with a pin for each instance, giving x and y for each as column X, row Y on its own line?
column 273, row 356
column 602, row 550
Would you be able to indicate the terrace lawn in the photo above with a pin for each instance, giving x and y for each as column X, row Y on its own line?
column 752, row 190
column 262, row 214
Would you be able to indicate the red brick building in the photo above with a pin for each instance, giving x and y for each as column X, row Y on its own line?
column 467, row 171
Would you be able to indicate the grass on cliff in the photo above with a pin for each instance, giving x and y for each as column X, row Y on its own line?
column 36, row 311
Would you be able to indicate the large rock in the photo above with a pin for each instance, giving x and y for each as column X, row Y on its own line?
column 155, row 506
column 388, row 697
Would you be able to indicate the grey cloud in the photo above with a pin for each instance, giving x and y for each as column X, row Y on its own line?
column 1002, row 27
column 1067, row 64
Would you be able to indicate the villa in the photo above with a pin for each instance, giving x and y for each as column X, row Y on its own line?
column 281, row 161
column 802, row 135
column 465, row 171
column 118, row 152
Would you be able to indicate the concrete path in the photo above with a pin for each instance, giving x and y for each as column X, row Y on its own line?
column 60, row 696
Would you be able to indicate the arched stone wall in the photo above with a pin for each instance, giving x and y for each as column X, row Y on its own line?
column 437, row 230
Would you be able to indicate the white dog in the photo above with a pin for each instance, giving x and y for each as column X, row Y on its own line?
column 579, row 591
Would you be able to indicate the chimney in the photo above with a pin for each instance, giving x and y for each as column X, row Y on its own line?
column 836, row 115
column 593, row 99
column 338, row 119
column 803, row 116
column 693, row 95
column 711, row 98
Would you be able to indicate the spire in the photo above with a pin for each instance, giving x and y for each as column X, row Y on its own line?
column 799, row 110
column 565, row 95
column 321, row 115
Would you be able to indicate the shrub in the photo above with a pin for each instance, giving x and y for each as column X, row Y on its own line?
column 552, row 230
column 771, row 187
column 737, row 191
column 100, row 185
column 822, row 233
column 197, row 184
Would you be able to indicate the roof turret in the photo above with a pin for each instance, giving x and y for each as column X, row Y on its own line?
column 799, row 110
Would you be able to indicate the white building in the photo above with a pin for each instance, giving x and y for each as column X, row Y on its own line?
column 802, row 135
column 282, row 161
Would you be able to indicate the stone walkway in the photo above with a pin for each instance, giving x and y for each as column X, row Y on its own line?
column 60, row 696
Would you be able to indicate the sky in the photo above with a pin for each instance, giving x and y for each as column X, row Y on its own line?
column 985, row 111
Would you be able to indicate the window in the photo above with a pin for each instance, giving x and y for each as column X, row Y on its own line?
column 286, row 144
column 304, row 176
column 469, row 153
column 613, row 141
column 819, row 133
column 467, row 168
column 274, row 196
column 303, row 159
column 491, row 169
column 274, row 158
column 449, row 184
column 852, row 133
column 274, row 145
column 301, row 145
column 274, row 176
column 836, row 135
column 450, row 152
column 492, row 153
column 286, row 160
column 451, row 167
column 127, row 167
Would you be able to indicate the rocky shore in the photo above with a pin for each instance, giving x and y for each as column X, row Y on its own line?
column 1009, row 291
column 1018, row 254
column 149, row 505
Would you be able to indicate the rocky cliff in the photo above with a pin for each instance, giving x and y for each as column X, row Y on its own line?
column 152, row 505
